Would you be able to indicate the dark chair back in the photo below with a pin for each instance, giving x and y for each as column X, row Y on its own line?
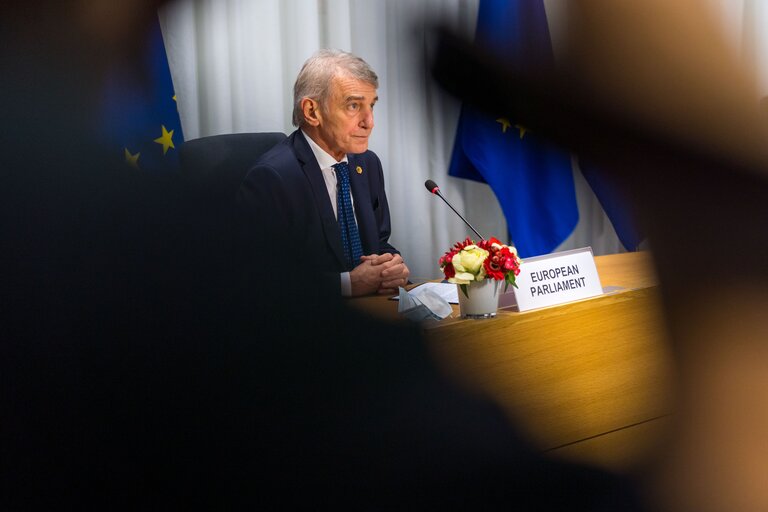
column 218, row 164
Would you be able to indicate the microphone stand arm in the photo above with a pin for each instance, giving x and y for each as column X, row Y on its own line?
column 438, row 194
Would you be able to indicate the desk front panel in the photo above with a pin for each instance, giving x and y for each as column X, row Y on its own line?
column 566, row 373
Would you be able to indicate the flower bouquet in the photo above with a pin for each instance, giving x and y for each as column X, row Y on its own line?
column 468, row 262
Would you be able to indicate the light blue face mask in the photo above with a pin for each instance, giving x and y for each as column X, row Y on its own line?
column 423, row 303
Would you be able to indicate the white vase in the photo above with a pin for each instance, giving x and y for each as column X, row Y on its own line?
column 483, row 300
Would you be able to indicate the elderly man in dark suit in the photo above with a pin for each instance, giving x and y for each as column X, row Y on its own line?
column 323, row 187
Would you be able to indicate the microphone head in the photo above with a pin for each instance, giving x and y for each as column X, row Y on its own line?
column 431, row 186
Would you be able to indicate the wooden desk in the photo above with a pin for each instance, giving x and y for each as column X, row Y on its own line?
column 587, row 380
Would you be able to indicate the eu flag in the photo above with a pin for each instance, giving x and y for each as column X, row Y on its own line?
column 140, row 118
column 532, row 180
column 614, row 204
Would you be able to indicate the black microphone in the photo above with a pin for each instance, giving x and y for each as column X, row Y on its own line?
column 433, row 188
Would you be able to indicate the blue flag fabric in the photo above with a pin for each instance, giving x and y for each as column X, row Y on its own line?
column 140, row 117
column 614, row 205
column 532, row 180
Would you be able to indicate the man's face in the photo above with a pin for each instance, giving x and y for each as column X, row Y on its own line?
column 347, row 116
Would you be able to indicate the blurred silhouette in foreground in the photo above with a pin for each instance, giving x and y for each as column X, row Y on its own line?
column 155, row 356
column 649, row 89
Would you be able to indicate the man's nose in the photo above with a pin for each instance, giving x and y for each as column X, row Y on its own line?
column 366, row 121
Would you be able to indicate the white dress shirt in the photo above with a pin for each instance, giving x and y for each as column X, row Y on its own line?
column 326, row 163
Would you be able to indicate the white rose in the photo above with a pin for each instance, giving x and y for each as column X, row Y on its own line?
column 461, row 278
column 470, row 259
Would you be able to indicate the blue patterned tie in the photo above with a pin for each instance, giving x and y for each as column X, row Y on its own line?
column 350, row 237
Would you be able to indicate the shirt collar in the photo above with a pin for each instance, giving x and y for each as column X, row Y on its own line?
column 324, row 160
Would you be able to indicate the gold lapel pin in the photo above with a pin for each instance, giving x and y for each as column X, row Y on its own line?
column 359, row 169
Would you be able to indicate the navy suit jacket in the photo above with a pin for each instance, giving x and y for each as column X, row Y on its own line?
column 286, row 189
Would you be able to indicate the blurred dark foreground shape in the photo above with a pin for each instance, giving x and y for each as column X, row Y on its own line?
column 158, row 355
column 650, row 91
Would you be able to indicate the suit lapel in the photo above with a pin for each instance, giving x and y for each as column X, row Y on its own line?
column 323, row 203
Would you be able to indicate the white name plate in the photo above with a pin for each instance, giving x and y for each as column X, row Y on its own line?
column 557, row 278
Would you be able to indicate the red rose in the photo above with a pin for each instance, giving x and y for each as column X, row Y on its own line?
column 493, row 269
column 449, row 271
column 446, row 258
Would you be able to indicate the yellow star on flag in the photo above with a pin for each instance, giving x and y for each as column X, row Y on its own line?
column 132, row 160
column 522, row 129
column 504, row 124
column 174, row 97
column 166, row 139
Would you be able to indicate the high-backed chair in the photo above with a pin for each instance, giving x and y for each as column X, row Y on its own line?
column 218, row 164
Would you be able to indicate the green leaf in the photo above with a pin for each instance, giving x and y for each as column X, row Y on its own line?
column 464, row 289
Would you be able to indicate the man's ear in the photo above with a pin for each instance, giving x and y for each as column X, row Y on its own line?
column 311, row 111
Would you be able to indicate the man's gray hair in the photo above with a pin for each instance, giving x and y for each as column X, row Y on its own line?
column 314, row 80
